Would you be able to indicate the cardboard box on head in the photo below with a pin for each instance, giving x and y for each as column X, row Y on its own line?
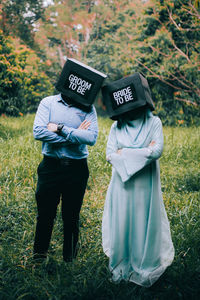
column 127, row 94
column 80, row 82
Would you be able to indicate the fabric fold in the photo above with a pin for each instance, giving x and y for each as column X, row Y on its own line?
column 135, row 229
column 130, row 161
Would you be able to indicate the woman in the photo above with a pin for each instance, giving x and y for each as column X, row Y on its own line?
column 135, row 229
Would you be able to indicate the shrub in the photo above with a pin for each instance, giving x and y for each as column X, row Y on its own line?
column 21, row 85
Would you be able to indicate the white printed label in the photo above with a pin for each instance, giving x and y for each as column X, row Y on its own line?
column 123, row 96
column 79, row 85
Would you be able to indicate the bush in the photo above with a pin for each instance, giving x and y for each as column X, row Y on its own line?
column 21, row 85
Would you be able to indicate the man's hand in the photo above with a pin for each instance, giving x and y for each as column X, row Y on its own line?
column 52, row 127
column 84, row 125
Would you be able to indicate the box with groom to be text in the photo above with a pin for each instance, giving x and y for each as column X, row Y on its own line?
column 80, row 82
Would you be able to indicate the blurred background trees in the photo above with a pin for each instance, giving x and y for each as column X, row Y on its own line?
column 23, row 80
column 169, row 57
column 18, row 18
column 159, row 38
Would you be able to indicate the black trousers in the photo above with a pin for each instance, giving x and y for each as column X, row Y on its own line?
column 64, row 180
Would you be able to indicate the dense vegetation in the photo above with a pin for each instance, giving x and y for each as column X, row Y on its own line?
column 88, row 276
column 159, row 38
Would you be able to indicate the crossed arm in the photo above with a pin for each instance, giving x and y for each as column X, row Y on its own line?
column 128, row 161
column 54, row 127
column 46, row 131
column 119, row 151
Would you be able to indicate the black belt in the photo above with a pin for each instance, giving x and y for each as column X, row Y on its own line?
column 65, row 161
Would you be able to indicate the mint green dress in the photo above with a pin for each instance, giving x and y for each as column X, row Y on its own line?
column 135, row 229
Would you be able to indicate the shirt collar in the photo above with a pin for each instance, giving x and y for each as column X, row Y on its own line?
column 60, row 99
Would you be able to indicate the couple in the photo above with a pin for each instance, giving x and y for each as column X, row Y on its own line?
column 135, row 229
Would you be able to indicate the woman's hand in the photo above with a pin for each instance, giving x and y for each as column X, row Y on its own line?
column 84, row 125
column 119, row 151
column 152, row 143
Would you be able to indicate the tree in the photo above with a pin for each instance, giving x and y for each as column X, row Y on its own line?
column 168, row 54
column 65, row 30
column 22, row 84
column 113, row 33
column 110, row 45
column 19, row 17
column 160, row 39
column 11, row 77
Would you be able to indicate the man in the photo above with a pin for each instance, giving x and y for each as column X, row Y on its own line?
column 65, row 125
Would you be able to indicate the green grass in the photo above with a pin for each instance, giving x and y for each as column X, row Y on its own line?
column 88, row 276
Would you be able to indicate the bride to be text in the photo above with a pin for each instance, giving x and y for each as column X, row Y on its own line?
column 123, row 96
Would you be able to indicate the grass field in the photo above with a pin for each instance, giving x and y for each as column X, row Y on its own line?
column 88, row 276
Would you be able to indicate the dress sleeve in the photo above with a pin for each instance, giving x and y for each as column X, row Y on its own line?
column 112, row 156
column 112, row 142
column 130, row 161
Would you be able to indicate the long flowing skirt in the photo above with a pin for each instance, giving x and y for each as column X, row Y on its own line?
column 135, row 230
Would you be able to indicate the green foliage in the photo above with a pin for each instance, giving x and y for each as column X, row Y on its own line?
column 159, row 38
column 65, row 30
column 21, row 88
column 88, row 276
column 11, row 77
column 37, row 86
column 108, row 49
column 18, row 18
column 162, row 42
column 169, row 56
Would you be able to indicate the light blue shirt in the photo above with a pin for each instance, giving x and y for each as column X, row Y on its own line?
column 70, row 142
